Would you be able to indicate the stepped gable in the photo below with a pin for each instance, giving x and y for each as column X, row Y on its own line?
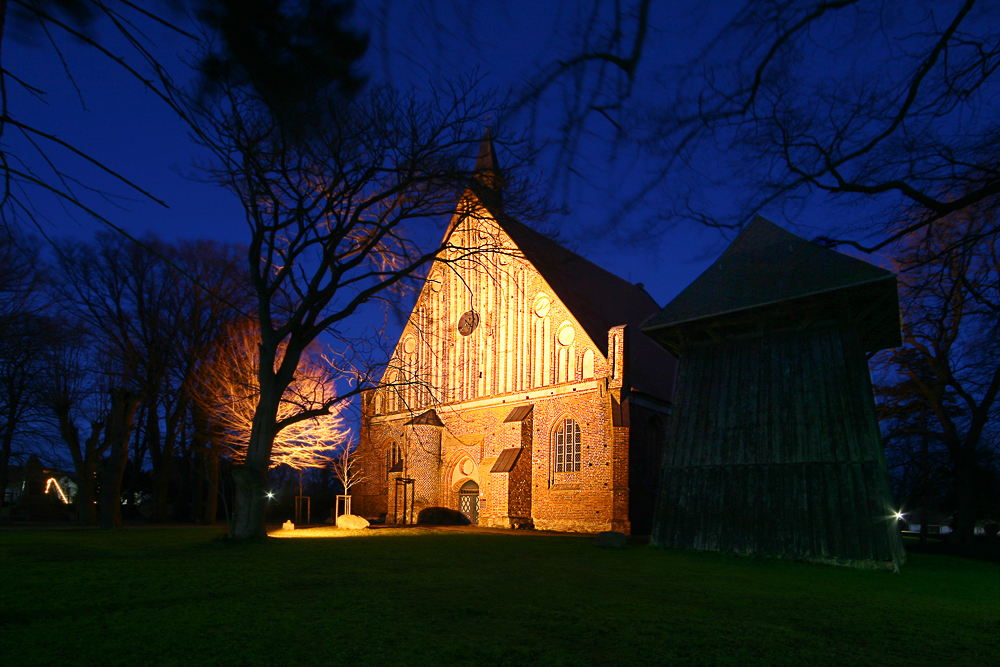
column 766, row 265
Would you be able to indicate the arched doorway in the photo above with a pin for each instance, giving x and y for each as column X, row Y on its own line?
column 468, row 501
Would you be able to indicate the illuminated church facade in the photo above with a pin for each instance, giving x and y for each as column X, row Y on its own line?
column 521, row 392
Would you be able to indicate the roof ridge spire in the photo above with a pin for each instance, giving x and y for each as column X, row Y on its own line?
column 487, row 158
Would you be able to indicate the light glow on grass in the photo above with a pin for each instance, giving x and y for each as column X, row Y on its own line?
column 666, row 607
column 333, row 531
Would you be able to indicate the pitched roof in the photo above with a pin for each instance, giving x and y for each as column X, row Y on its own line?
column 519, row 413
column 597, row 298
column 505, row 462
column 429, row 418
column 766, row 265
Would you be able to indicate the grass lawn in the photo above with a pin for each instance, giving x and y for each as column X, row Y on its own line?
column 146, row 596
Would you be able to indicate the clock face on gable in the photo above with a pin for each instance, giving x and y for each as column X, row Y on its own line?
column 468, row 322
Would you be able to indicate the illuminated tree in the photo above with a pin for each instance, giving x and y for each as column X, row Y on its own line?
column 229, row 390
column 348, row 467
column 341, row 212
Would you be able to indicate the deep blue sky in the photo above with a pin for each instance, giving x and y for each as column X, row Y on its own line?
column 133, row 132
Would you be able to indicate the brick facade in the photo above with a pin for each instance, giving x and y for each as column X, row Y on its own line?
column 525, row 324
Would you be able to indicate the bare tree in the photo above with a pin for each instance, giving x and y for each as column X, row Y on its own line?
column 151, row 326
column 348, row 466
column 24, row 339
column 948, row 364
column 33, row 162
column 868, row 101
column 338, row 214
column 229, row 390
column 71, row 389
column 718, row 112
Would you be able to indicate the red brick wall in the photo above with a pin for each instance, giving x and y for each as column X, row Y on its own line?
column 516, row 356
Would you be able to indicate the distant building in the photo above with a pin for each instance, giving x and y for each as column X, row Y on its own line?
column 521, row 392
column 35, row 493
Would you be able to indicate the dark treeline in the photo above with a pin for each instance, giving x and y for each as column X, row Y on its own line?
column 103, row 353
column 937, row 393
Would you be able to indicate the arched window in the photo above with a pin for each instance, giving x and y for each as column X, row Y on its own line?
column 567, row 446
column 393, row 459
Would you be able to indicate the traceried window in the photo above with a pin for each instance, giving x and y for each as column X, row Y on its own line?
column 568, row 446
column 393, row 459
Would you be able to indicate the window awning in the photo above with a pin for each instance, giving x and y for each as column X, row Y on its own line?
column 519, row 414
column 428, row 418
column 508, row 457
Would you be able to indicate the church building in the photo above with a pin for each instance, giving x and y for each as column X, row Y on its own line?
column 521, row 392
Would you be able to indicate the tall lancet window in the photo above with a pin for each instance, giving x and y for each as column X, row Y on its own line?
column 567, row 443
column 393, row 459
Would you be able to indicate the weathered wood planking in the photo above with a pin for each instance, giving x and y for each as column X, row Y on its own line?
column 775, row 449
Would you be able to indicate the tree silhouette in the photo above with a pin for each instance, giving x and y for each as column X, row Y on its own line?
column 950, row 298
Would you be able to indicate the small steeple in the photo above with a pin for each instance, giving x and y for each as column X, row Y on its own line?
column 487, row 181
column 487, row 159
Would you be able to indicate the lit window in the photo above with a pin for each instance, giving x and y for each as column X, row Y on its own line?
column 393, row 459
column 568, row 446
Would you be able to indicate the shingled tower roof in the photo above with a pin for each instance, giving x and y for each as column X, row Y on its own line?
column 765, row 266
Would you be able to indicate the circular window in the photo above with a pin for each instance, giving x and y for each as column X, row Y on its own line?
column 468, row 323
column 409, row 345
column 467, row 466
column 566, row 334
column 542, row 305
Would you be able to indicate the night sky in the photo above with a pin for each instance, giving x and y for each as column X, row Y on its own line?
column 131, row 131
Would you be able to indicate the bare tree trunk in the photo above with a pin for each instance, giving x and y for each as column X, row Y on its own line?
column 161, row 461
column 923, row 478
column 120, row 419
column 211, row 469
column 84, row 462
column 197, row 468
column 248, row 513
column 965, row 499
column 8, row 438
column 206, row 459
column 86, row 495
column 251, row 477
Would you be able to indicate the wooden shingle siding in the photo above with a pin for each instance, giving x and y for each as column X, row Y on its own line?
column 774, row 449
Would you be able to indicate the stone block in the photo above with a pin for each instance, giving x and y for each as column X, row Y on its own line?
column 352, row 522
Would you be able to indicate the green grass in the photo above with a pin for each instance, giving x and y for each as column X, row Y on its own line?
column 147, row 596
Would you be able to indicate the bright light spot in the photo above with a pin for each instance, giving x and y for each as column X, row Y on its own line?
column 52, row 482
column 270, row 495
column 899, row 516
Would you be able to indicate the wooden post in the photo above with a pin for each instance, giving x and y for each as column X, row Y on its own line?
column 923, row 480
